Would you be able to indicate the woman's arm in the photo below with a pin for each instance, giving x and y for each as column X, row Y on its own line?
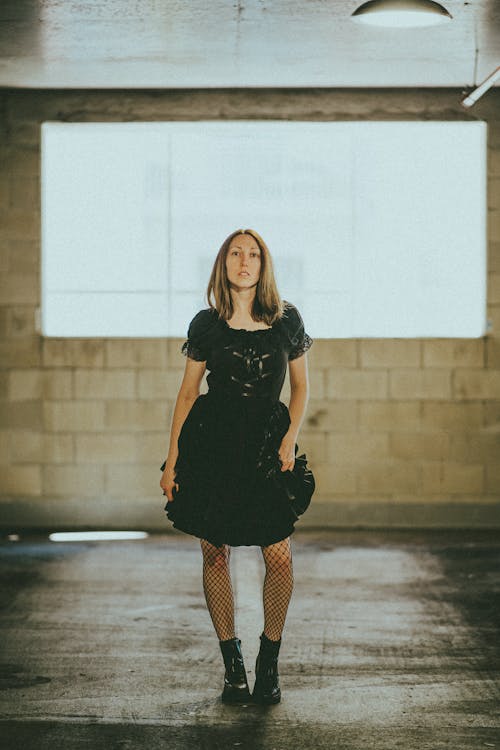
column 299, row 396
column 188, row 393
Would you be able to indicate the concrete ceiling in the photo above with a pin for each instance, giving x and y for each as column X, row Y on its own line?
column 238, row 43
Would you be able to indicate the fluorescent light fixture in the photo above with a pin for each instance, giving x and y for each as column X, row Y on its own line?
column 95, row 536
column 400, row 14
column 481, row 89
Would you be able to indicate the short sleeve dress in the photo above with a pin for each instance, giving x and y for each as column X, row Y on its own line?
column 228, row 444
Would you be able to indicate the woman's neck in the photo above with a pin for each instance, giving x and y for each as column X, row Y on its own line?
column 242, row 312
column 242, row 304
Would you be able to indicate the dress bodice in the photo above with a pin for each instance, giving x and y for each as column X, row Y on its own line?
column 245, row 362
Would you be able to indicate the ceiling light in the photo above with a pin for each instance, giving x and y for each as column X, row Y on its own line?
column 401, row 13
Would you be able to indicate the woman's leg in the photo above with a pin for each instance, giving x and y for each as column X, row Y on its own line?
column 220, row 602
column 218, row 589
column 278, row 586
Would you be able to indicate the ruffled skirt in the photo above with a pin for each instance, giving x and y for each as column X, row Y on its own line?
column 226, row 468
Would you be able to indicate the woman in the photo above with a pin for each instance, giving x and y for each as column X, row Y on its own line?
column 228, row 445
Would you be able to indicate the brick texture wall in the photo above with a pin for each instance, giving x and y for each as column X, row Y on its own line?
column 398, row 432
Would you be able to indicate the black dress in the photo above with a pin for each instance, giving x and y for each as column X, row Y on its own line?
column 228, row 444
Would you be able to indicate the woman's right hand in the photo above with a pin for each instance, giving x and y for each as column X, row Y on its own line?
column 167, row 482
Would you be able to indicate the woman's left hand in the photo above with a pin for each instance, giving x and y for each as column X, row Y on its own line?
column 286, row 453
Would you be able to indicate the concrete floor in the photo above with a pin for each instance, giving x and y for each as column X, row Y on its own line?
column 391, row 642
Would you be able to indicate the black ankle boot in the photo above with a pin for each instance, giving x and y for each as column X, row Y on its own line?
column 267, row 684
column 235, row 679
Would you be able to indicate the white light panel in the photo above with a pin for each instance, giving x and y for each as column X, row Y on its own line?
column 377, row 229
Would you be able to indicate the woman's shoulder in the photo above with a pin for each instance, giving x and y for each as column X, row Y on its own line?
column 203, row 321
column 292, row 325
column 291, row 319
column 202, row 334
column 289, row 308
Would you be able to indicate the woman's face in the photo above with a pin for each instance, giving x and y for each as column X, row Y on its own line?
column 243, row 261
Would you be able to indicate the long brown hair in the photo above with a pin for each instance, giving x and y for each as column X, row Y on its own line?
column 267, row 304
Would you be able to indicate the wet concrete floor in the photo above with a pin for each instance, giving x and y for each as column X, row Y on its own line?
column 391, row 641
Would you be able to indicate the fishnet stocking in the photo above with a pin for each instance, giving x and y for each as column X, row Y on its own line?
column 218, row 589
column 278, row 586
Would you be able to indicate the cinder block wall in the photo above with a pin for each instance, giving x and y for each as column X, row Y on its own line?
column 398, row 432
